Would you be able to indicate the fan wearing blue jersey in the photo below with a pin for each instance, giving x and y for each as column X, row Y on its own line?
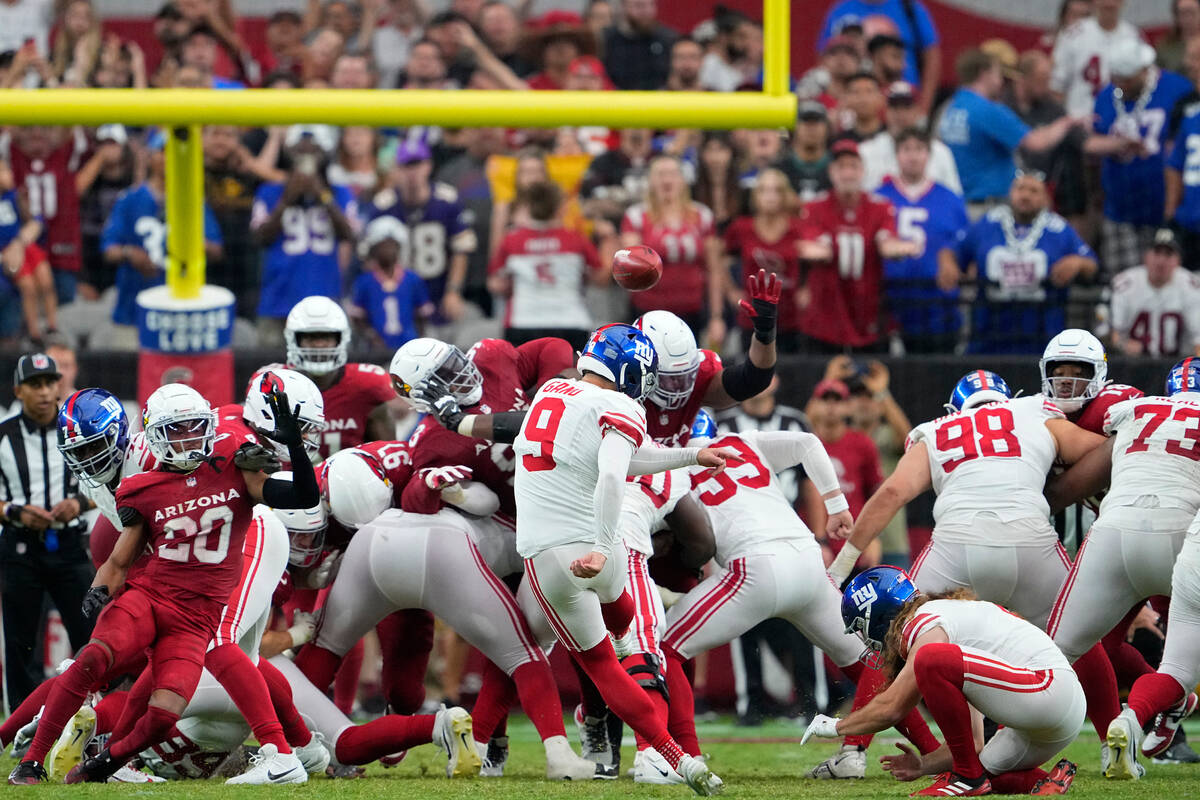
column 1183, row 184
column 439, row 227
column 300, row 225
column 1130, row 134
column 1025, row 256
column 388, row 300
column 135, row 239
column 922, row 295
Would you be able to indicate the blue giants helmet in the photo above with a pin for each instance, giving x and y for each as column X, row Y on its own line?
column 1184, row 377
column 704, row 426
column 976, row 388
column 624, row 355
column 93, row 432
column 872, row 599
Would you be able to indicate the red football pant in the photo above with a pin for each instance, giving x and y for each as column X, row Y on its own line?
column 939, row 672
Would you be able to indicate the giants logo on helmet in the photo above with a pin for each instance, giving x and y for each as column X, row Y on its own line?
column 864, row 598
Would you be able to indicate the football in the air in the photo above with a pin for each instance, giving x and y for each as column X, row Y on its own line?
column 636, row 268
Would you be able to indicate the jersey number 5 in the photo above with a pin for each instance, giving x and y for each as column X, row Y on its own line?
column 541, row 426
column 990, row 435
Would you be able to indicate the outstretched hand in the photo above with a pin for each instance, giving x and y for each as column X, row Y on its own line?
column 763, row 306
column 287, row 419
column 717, row 458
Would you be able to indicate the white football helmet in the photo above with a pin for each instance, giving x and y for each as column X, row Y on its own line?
column 301, row 391
column 316, row 314
column 425, row 362
column 180, row 425
column 1073, row 346
column 306, row 529
column 356, row 487
column 678, row 357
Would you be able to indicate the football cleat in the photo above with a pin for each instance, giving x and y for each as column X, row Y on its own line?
column 849, row 762
column 494, row 755
column 699, row 777
column 950, row 784
column 650, row 767
column 269, row 766
column 1166, row 723
column 392, row 760
column 1058, row 781
column 452, row 732
column 593, row 737
column 94, row 769
column 345, row 771
column 68, row 750
column 1122, row 741
column 27, row 773
column 24, row 736
column 314, row 755
column 1180, row 752
column 128, row 774
column 562, row 763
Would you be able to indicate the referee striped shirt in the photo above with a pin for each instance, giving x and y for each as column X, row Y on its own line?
column 32, row 470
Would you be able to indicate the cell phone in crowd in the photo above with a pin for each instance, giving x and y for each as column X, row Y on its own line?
column 306, row 164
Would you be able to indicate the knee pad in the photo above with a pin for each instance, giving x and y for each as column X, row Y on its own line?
column 646, row 670
column 94, row 659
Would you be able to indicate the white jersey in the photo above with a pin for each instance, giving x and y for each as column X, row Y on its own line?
column 979, row 626
column 1080, row 61
column 879, row 161
column 746, row 502
column 1165, row 319
column 1155, row 454
column 137, row 459
column 557, row 460
column 993, row 458
column 649, row 499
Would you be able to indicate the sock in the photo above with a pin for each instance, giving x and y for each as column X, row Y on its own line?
column 345, row 682
column 539, row 698
column 65, row 698
column 294, row 729
column 1128, row 663
column 589, row 696
column 135, row 705
column 681, row 713
column 24, row 713
column 618, row 614
column 626, row 698
column 151, row 729
column 939, row 673
column 318, row 665
column 867, row 684
column 1154, row 693
column 248, row 690
column 405, row 643
column 1017, row 782
column 391, row 733
column 497, row 693
column 109, row 711
column 1099, row 684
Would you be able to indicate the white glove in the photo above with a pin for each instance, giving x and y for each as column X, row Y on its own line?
column 822, row 727
column 438, row 478
column 325, row 572
column 64, row 665
column 304, row 625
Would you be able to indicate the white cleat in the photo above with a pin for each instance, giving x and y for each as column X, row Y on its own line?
column 697, row 775
column 68, row 750
column 128, row 774
column 562, row 763
column 650, row 767
column 452, row 732
column 314, row 755
column 593, row 738
column 847, row 763
column 1122, row 740
column 269, row 766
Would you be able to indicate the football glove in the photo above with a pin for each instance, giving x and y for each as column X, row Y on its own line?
column 256, row 458
column 763, row 307
column 438, row 478
column 822, row 727
column 94, row 601
column 287, row 420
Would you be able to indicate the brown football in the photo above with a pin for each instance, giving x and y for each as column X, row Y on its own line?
column 636, row 268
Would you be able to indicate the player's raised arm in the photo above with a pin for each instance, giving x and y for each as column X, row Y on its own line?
column 786, row 449
column 1089, row 476
column 753, row 375
column 910, row 478
column 301, row 491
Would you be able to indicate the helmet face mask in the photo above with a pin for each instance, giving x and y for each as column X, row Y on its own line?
column 93, row 433
column 459, row 375
column 1076, row 348
column 424, row 368
column 678, row 358
column 313, row 317
column 674, row 388
column 181, row 428
column 306, row 529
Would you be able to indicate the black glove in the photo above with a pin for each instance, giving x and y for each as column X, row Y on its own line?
column 447, row 411
column 287, row 423
column 256, row 458
column 96, row 599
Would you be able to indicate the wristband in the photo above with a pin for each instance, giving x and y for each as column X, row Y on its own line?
column 466, row 426
column 836, row 505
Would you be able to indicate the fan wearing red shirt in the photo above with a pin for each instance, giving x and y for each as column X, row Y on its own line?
column 855, row 459
column 847, row 234
column 681, row 232
column 770, row 240
column 543, row 269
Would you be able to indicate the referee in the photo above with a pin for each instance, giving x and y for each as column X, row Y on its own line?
column 41, row 533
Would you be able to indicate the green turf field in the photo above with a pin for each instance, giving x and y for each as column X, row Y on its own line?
column 763, row 762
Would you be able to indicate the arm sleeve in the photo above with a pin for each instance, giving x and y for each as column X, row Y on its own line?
column 784, row 449
column 745, row 380
column 614, row 460
column 651, row 459
column 301, row 491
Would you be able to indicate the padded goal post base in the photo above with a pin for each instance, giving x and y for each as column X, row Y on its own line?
column 186, row 341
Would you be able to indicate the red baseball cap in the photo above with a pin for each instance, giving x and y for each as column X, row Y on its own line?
column 832, row 386
column 589, row 66
column 844, row 147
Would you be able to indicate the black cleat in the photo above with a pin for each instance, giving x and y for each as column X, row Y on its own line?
column 28, row 773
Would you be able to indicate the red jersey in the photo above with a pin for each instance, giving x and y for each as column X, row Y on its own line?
column 682, row 288
column 395, row 460
column 856, row 461
column 197, row 523
column 674, row 428
column 1091, row 416
column 511, row 375
column 548, row 268
column 49, row 185
column 844, row 309
column 781, row 257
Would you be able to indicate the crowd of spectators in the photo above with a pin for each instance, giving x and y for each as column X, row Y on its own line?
column 914, row 206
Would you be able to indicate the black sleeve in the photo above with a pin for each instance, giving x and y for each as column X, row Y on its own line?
column 506, row 425
column 129, row 516
column 301, row 491
column 744, row 380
